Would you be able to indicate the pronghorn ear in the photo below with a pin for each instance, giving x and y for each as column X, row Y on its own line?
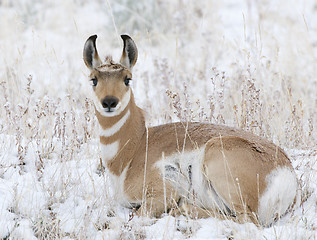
column 129, row 53
column 91, row 57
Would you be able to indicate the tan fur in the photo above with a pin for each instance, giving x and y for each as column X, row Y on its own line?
column 108, row 76
column 245, row 158
column 130, row 136
column 234, row 164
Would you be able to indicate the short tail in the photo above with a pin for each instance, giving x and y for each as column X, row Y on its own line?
column 279, row 195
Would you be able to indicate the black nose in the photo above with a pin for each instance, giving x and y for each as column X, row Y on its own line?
column 110, row 102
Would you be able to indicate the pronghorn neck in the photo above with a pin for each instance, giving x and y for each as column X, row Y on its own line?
column 120, row 136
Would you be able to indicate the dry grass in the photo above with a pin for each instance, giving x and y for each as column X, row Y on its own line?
column 189, row 69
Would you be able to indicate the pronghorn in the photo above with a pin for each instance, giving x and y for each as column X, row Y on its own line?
column 198, row 169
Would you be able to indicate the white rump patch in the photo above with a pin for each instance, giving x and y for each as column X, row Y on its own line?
column 109, row 151
column 117, row 110
column 279, row 195
column 115, row 127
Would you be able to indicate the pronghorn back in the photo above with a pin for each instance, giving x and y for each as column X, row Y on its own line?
column 197, row 169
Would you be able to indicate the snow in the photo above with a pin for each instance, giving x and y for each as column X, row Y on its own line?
column 51, row 183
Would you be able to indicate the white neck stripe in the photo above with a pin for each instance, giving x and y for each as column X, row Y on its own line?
column 109, row 151
column 115, row 127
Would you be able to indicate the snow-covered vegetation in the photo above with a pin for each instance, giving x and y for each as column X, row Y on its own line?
column 248, row 64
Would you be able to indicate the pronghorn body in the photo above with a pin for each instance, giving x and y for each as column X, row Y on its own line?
column 198, row 169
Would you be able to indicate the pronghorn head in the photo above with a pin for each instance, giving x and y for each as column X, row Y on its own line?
column 110, row 80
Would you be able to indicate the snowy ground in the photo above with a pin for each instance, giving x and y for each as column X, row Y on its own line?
column 248, row 64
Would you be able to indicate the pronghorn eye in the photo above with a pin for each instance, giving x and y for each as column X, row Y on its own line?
column 127, row 81
column 94, row 81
